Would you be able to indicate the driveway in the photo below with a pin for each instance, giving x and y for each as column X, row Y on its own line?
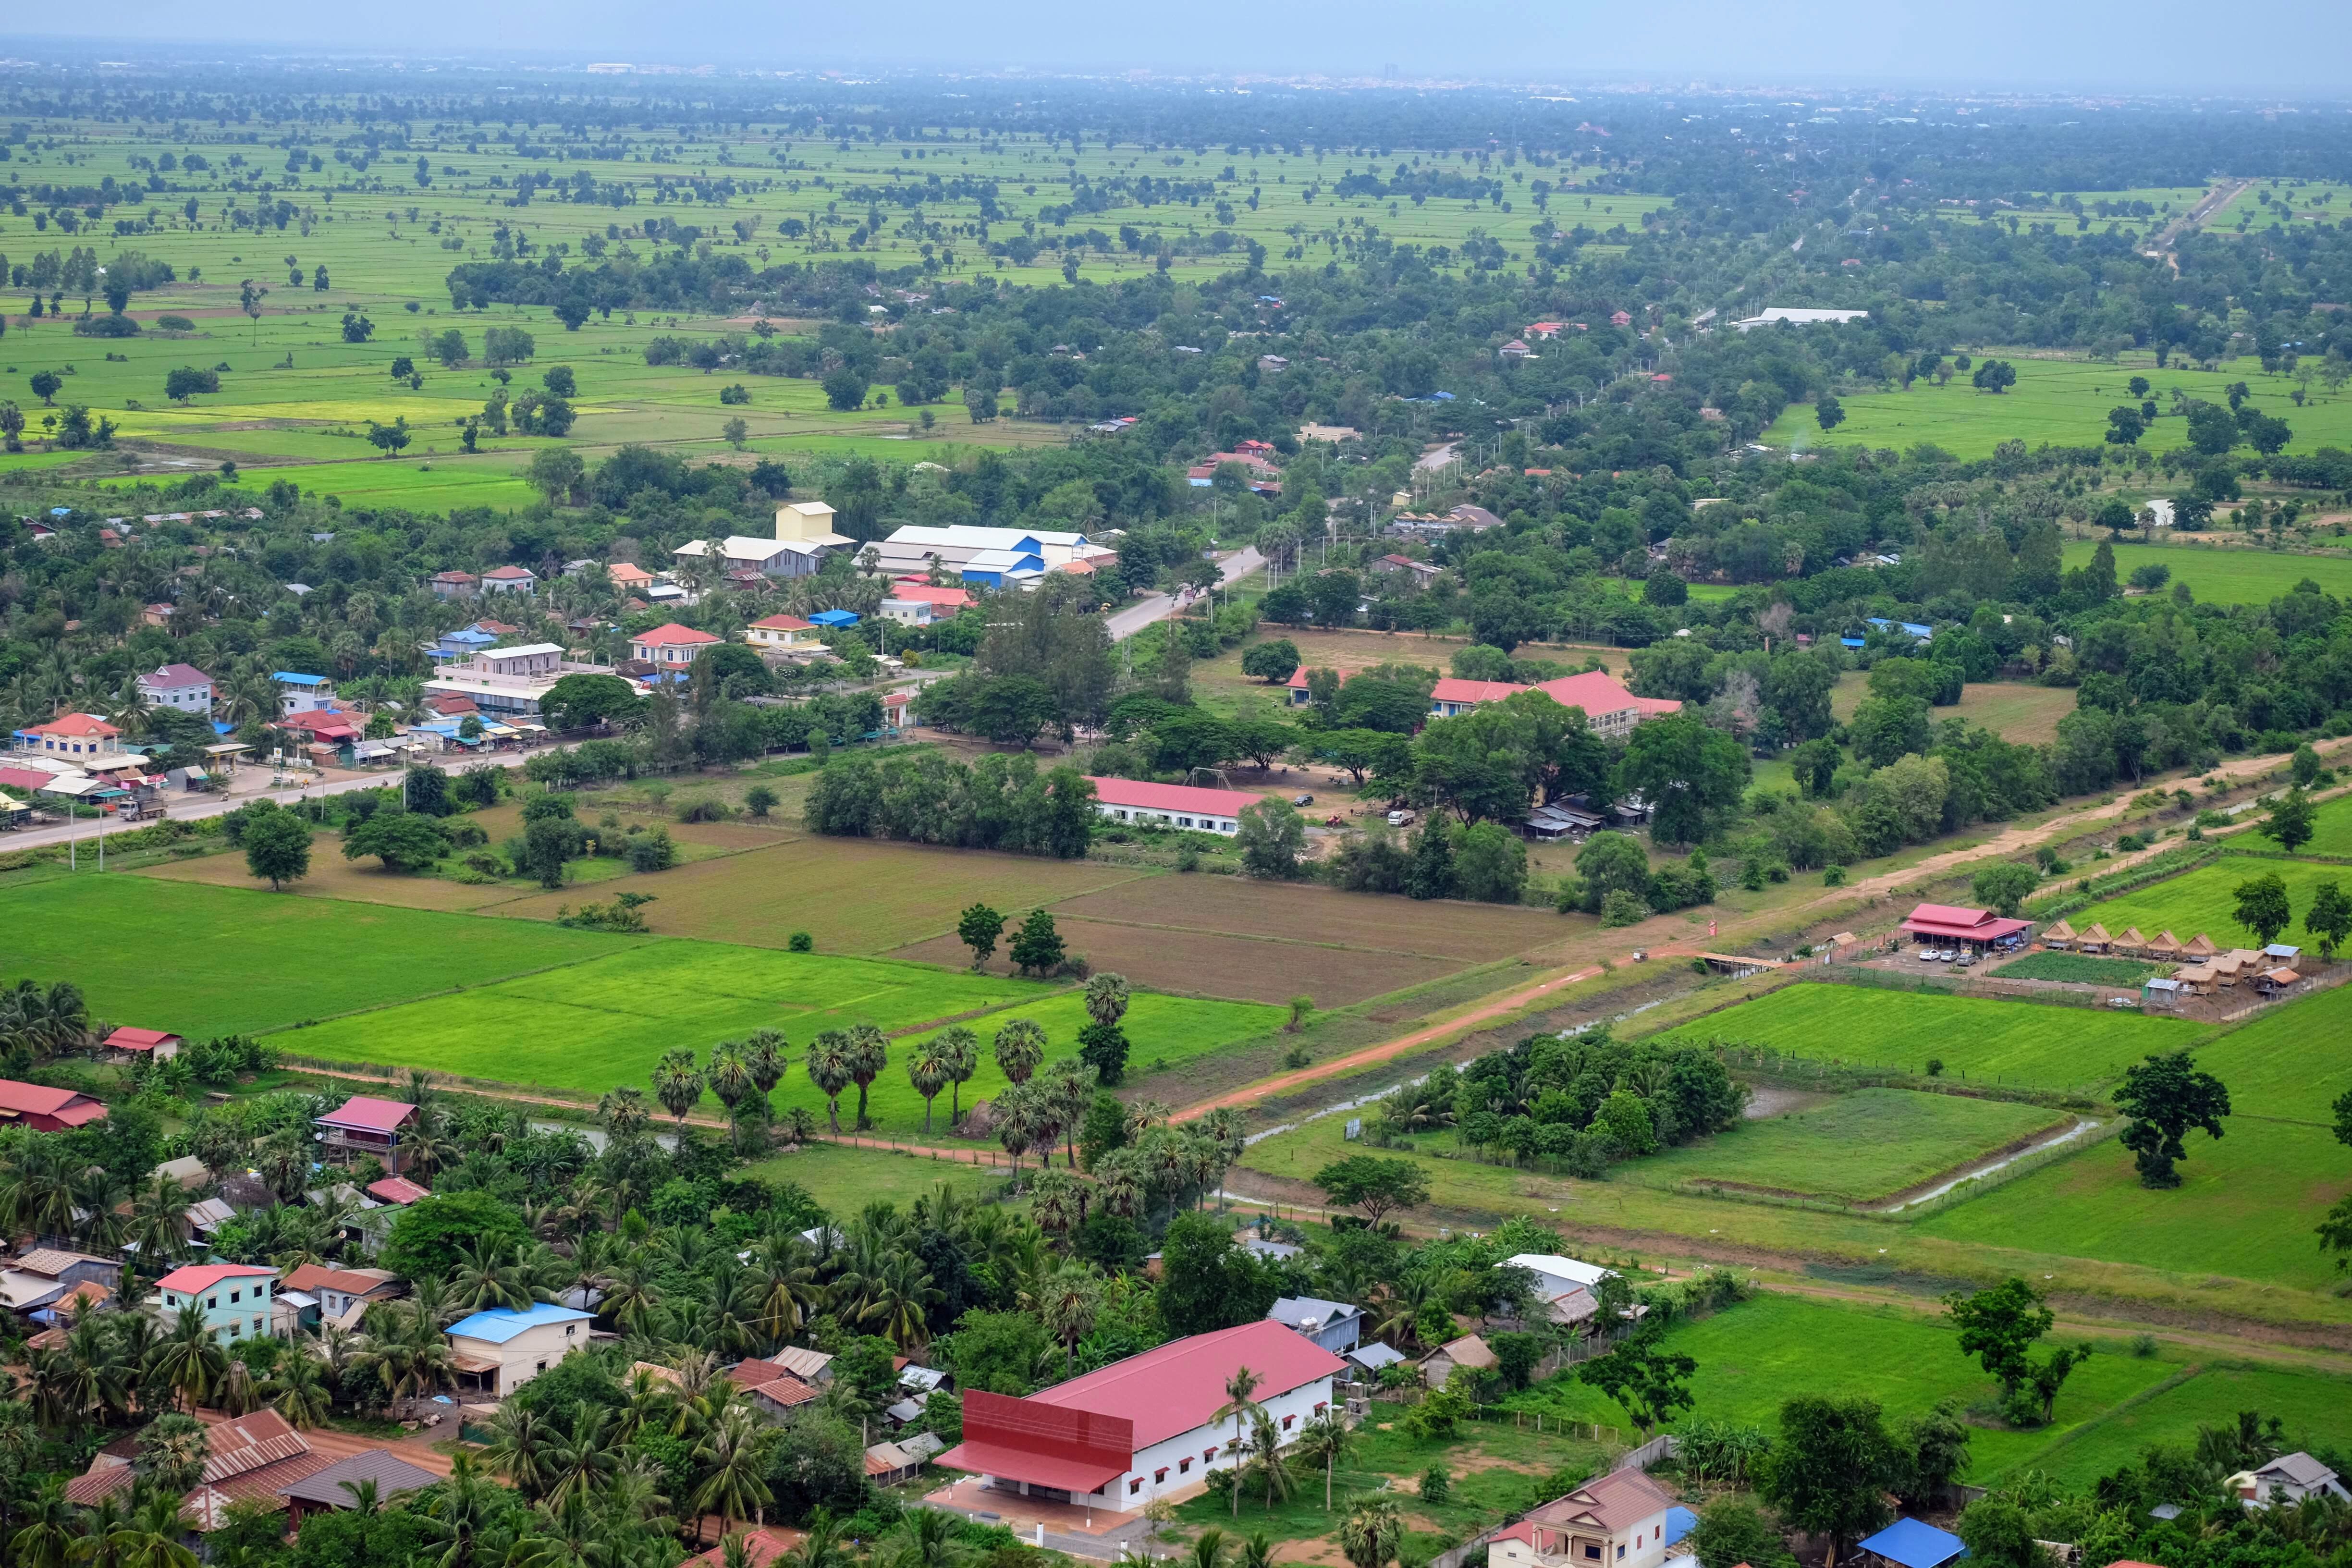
column 1231, row 568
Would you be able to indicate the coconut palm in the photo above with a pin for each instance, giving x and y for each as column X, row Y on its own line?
column 239, row 1393
column 622, row 1111
column 928, row 1074
column 676, row 1084
column 406, row 1351
column 958, row 1050
column 490, row 1276
column 462, row 1507
column 899, row 1297
column 926, row 1537
column 1020, row 1046
column 867, row 1054
column 297, row 1390
column 52, row 1525
column 734, row 1456
column 1208, row 1550
column 1325, row 1439
column 789, row 1294
column 1265, row 1445
column 190, row 1361
column 828, row 1068
column 1238, row 1404
column 582, row 1458
column 522, row 1448
column 1067, row 1304
column 649, row 1402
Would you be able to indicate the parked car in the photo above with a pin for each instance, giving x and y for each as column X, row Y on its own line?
column 1302, row 800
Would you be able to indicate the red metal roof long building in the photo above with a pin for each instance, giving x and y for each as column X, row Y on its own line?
column 1172, row 797
column 1954, row 923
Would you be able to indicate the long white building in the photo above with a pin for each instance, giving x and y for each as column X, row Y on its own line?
column 804, row 533
column 993, row 557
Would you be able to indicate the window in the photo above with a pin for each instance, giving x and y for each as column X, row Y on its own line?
column 1184, row 1466
column 1209, row 1453
column 543, row 1366
column 256, row 1325
column 1320, row 1406
column 233, row 1328
column 235, row 1296
column 1286, row 1421
column 570, row 1329
column 1135, row 1486
column 1621, row 1554
column 1160, row 1476
column 1592, row 1551
column 1183, row 822
column 212, row 1302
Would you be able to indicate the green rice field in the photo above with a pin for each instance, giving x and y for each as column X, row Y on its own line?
column 1885, row 1141
column 2226, row 574
column 1753, row 1356
column 2010, row 1042
column 203, row 961
column 2331, row 829
column 2058, row 402
column 2079, row 969
column 589, row 1028
column 2203, row 900
column 2316, row 1409
column 2290, row 1063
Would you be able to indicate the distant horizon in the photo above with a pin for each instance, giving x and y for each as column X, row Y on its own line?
column 1900, row 46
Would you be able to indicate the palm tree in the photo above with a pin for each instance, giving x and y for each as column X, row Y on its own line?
column 729, row 1076
column 789, row 1293
column 622, row 1111
column 650, row 1401
column 1107, row 996
column 676, row 1084
column 521, row 1448
column 828, row 1068
column 51, row 1527
column 297, row 1390
column 462, row 1507
column 1325, row 1439
column 1266, row 1442
column 764, row 1050
column 1069, row 1090
column 1055, row 1198
column 735, row 1455
column 190, row 1361
column 1238, row 1404
column 1067, row 1304
column 408, row 1352
column 1372, row 1533
column 1020, row 1046
column 925, row 1538
column 928, row 1071
column 866, row 1056
column 959, row 1051
column 239, row 1393
column 489, row 1276
column 1208, row 1550
column 582, row 1458
column 1017, row 1124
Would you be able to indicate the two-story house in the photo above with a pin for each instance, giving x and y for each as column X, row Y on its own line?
column 1616, row 1521
column 300, row 693
column 180, row 686
column 79, row 735
column 365, row 1125
column 1334, row 1325
column 232, row 1298
column 319, row 1293
column 670, row 646
column 787, row 635
column 501, row 1350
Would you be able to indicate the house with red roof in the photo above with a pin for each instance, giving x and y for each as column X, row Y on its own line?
column 70, row 735
column 1975, row 930
column 46, row 1110
column 397, row 1191
column 1143, row 1427
column 1619, row 1520
column 130, row 1044
column 1172, row 805
column 454, row 585
column 510, row 580
column 1611, row 709
column 180, row 686
column 232, row 1298
column 670, row 646
column 365, row 1126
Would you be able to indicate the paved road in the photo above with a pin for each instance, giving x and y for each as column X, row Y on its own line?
column 1126, row 622
column 190, row 808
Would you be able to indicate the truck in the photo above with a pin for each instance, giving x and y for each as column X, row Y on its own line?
column 1401, row 817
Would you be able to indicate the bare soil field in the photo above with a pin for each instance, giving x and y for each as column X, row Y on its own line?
column 852, row 895
column 1221, row 964
column 1447, row 929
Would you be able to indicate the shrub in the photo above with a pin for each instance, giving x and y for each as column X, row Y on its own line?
column 801, row 942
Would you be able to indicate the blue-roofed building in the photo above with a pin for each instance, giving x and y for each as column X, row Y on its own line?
column 298, row 693
column 837, row 618
column 463, row 643
column 1915, row 1544
column 498, row 1350
column 1912, row 629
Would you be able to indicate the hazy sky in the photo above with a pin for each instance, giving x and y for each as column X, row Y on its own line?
column 2260, row 47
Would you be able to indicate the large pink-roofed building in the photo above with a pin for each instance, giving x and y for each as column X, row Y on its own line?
column 1172, row 805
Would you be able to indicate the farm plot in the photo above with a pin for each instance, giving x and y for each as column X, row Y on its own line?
column 2331, row 829
column 2290, row 1063
column 2203, row 900
column 2225, row 574
column 2011, row 1042
column 211, row 960
column 2316, row 1409
column 609, row 1022
column 1755, row 1355
column 1468, row 933
column 2080, row 969
column 2245, row 1207
column 1872, row 1144
column 852, row 895
column 2024, row 715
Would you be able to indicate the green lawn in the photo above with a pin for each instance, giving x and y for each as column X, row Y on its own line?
column 2059, row 402
column 2012, row 1042
column 2225, row 574
column 2080, row 969
column 203, row 960
column 1868, row 1144
column 1755, row 1355
column 607, row 1023
column 2290, row 1063
column 2331, row 829
column 2203, row 900
column 2245, row 1208
column 2316, row 1408
column 844, row 1178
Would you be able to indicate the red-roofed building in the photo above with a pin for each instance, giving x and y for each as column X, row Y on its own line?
column 1619, row 1521
column 1121, row 1436
column 70, row 735
column 1172, row 805
column 671, row 645
column 232, row 1298
column 365, row 1126
column 398, row 1191
column 454, row 585
column 1609, row 707
column 1974, row 929
column 147, row 1045
column 46, row 1110
column 949, row 599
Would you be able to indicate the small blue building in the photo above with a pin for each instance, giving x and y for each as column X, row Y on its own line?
column 1915, row 1544
column 836, row 619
